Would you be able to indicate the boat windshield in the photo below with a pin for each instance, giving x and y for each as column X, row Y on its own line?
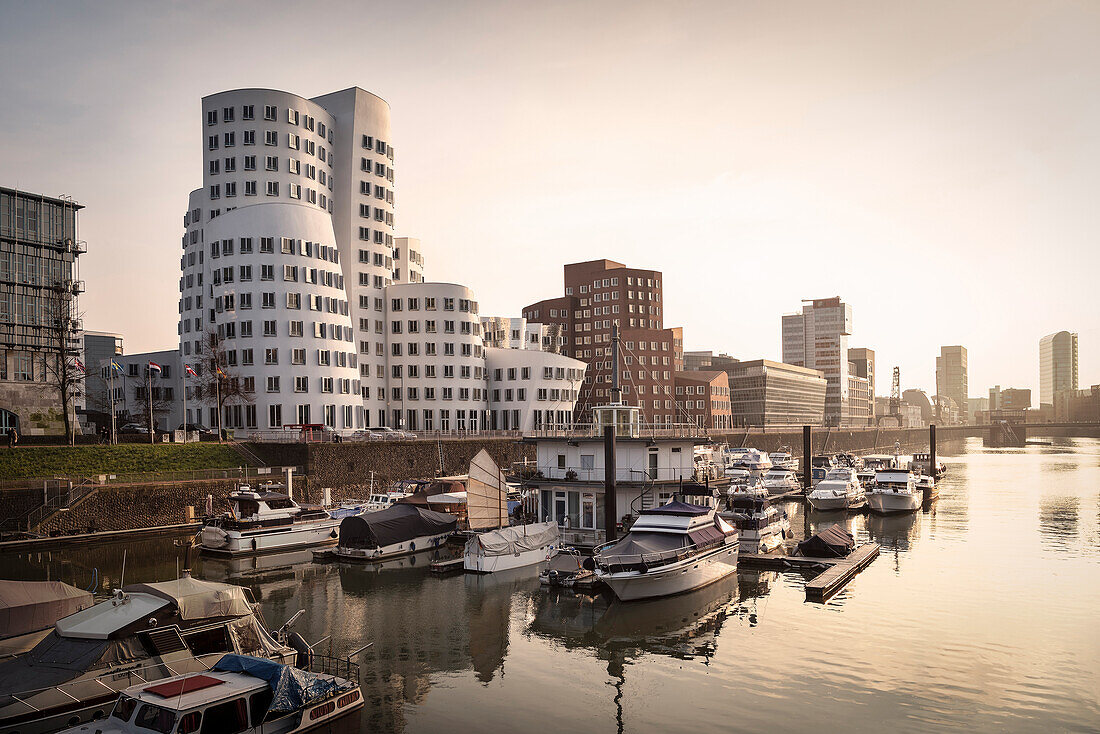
column 155, row 718
column 124, row 709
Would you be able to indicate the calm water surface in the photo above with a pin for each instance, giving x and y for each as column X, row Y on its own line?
column 981, row 614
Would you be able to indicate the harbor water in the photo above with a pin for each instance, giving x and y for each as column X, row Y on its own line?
column 982, row 613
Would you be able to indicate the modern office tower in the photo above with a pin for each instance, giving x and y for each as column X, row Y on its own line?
column 862, row 362
column 1057, row 365
column 951, row 377
column 599, row 293
column 408, row 260
column 1010, row 398
column 765, row 393
column 703, row 398
column 39, row 285
column 817, row 338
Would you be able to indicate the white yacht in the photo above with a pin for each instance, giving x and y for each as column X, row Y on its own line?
column 761, row 526
column 265, row 520
column 749, row 486
column 669, row 550
column 784, row 459
column 755, row 461
column 839, row 490
column 280, row 700
column 894, row 490
column 511, row 547
column 781, row 481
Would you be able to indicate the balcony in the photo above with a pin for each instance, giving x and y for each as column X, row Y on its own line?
column 590, row 430
column 77, row 287
column 624, row 475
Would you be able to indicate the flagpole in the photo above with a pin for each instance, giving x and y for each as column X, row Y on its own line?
column 218, row 401
column 184, row 376
column 111, row 396
column 152, row 426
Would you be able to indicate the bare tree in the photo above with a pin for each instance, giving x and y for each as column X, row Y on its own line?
column 64, row 375
column 216, row 380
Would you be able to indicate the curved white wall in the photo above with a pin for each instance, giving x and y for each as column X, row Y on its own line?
column 276, row 288
column 531, row 389
column 436, row 371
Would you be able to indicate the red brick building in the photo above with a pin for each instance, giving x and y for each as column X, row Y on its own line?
column 598, row 294
column 703, row 398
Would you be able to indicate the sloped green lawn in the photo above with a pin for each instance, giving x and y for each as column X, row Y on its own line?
column 49, row 461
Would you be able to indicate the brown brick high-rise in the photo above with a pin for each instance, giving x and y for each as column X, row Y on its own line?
column 599, row 293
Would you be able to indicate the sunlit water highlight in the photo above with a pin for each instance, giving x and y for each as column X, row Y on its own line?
column 981, row 614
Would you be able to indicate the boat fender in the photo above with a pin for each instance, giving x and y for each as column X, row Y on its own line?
column 333, row 534
column 305, row 656
column 643, row 568
column 255, row 545
column 589, row 564
column 412, row 546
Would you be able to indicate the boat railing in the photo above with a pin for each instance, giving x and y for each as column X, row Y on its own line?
column 339, row 667
column 648, row 561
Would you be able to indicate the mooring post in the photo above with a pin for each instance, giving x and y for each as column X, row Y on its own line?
column 610, row 514
column 932, row 451
column 807, row 451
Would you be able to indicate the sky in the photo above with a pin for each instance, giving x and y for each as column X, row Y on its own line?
column 934, row 164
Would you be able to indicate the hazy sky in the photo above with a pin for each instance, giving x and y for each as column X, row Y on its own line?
column 934, row 164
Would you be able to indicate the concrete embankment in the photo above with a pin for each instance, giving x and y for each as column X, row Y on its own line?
column 350, row 468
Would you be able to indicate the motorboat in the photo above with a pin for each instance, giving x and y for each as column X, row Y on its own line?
column 511, row 547
column 755, row 461
column 781, row 481
column 784, row 459
column 819, row 467
column 669, row 550
column 849, row 460
column 762, row 527
column 238, row 694
column 839, row 490
column 29, row 610
column 894, row 490
column 751, row 486
column 922, row 464
column 264, row 520
column 565, row 569
column 738, row 474
column 396, row 531
column 144, row 633
column 383, row 500
column 928, row 488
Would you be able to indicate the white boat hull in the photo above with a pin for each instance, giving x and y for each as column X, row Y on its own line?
column 266, row 540
column 835, row 504
column 675, row 578
column 894, row 502
column 481, row 563
column 405, row 547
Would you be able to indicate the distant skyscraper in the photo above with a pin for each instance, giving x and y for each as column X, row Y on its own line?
column 951, row 377
column 818, row 338
column 1057, row 365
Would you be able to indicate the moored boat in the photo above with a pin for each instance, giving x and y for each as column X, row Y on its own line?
column 784, row 459
column 761, row 526
column 396, row 531
column 511, row 547
column 669, row 550
column 839, row 490
column 239, row 694
column 781, row 481
column 894, row 491
column 928, row 488
column 265, row 520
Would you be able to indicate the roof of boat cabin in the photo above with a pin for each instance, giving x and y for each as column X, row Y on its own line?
column 192, row 690
column 677, row 508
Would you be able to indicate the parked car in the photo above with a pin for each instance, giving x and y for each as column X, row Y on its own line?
column 366, row 435
column 392, row 434
column 191, row 427
column 134, row 428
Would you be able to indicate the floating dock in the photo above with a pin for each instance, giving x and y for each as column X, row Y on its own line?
column 834, row 574
column 451, row 565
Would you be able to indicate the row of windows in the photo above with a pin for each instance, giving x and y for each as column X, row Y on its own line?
column 465, row 305
column 380, row 192
column 701, row 390
column 471, row 328
column 271, row 114
column 548, row 373
column 413, row 350
column 272, row 188
column 378, row 146
column 271, row 163
column 271, row 139
column 412, row 371
column 380, row 169
column 380, row 237
column 446, row 393
column 286, row 246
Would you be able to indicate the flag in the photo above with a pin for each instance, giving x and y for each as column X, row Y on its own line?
column 116, row 366
column 154, row 367
column 190, row 370
column 220, row 373
column 79, row 365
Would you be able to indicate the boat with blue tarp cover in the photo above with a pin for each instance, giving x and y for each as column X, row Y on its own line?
column 240, row 693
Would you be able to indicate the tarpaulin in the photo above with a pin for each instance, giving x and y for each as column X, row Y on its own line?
column 832, row 542
column 397, row 524
column 198, row 599
column 29, row 606
column 292, row 688
column 516, row 539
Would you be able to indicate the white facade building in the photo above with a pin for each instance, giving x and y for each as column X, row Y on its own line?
column 818, row 338
column 504, row 332
column 291, row 277
column 532, row 390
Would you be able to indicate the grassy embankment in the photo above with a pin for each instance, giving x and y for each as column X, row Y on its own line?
column 51, row 461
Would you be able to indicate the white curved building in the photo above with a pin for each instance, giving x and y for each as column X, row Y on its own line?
column 437, row 378
column 532, row 390
column 284, row 155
